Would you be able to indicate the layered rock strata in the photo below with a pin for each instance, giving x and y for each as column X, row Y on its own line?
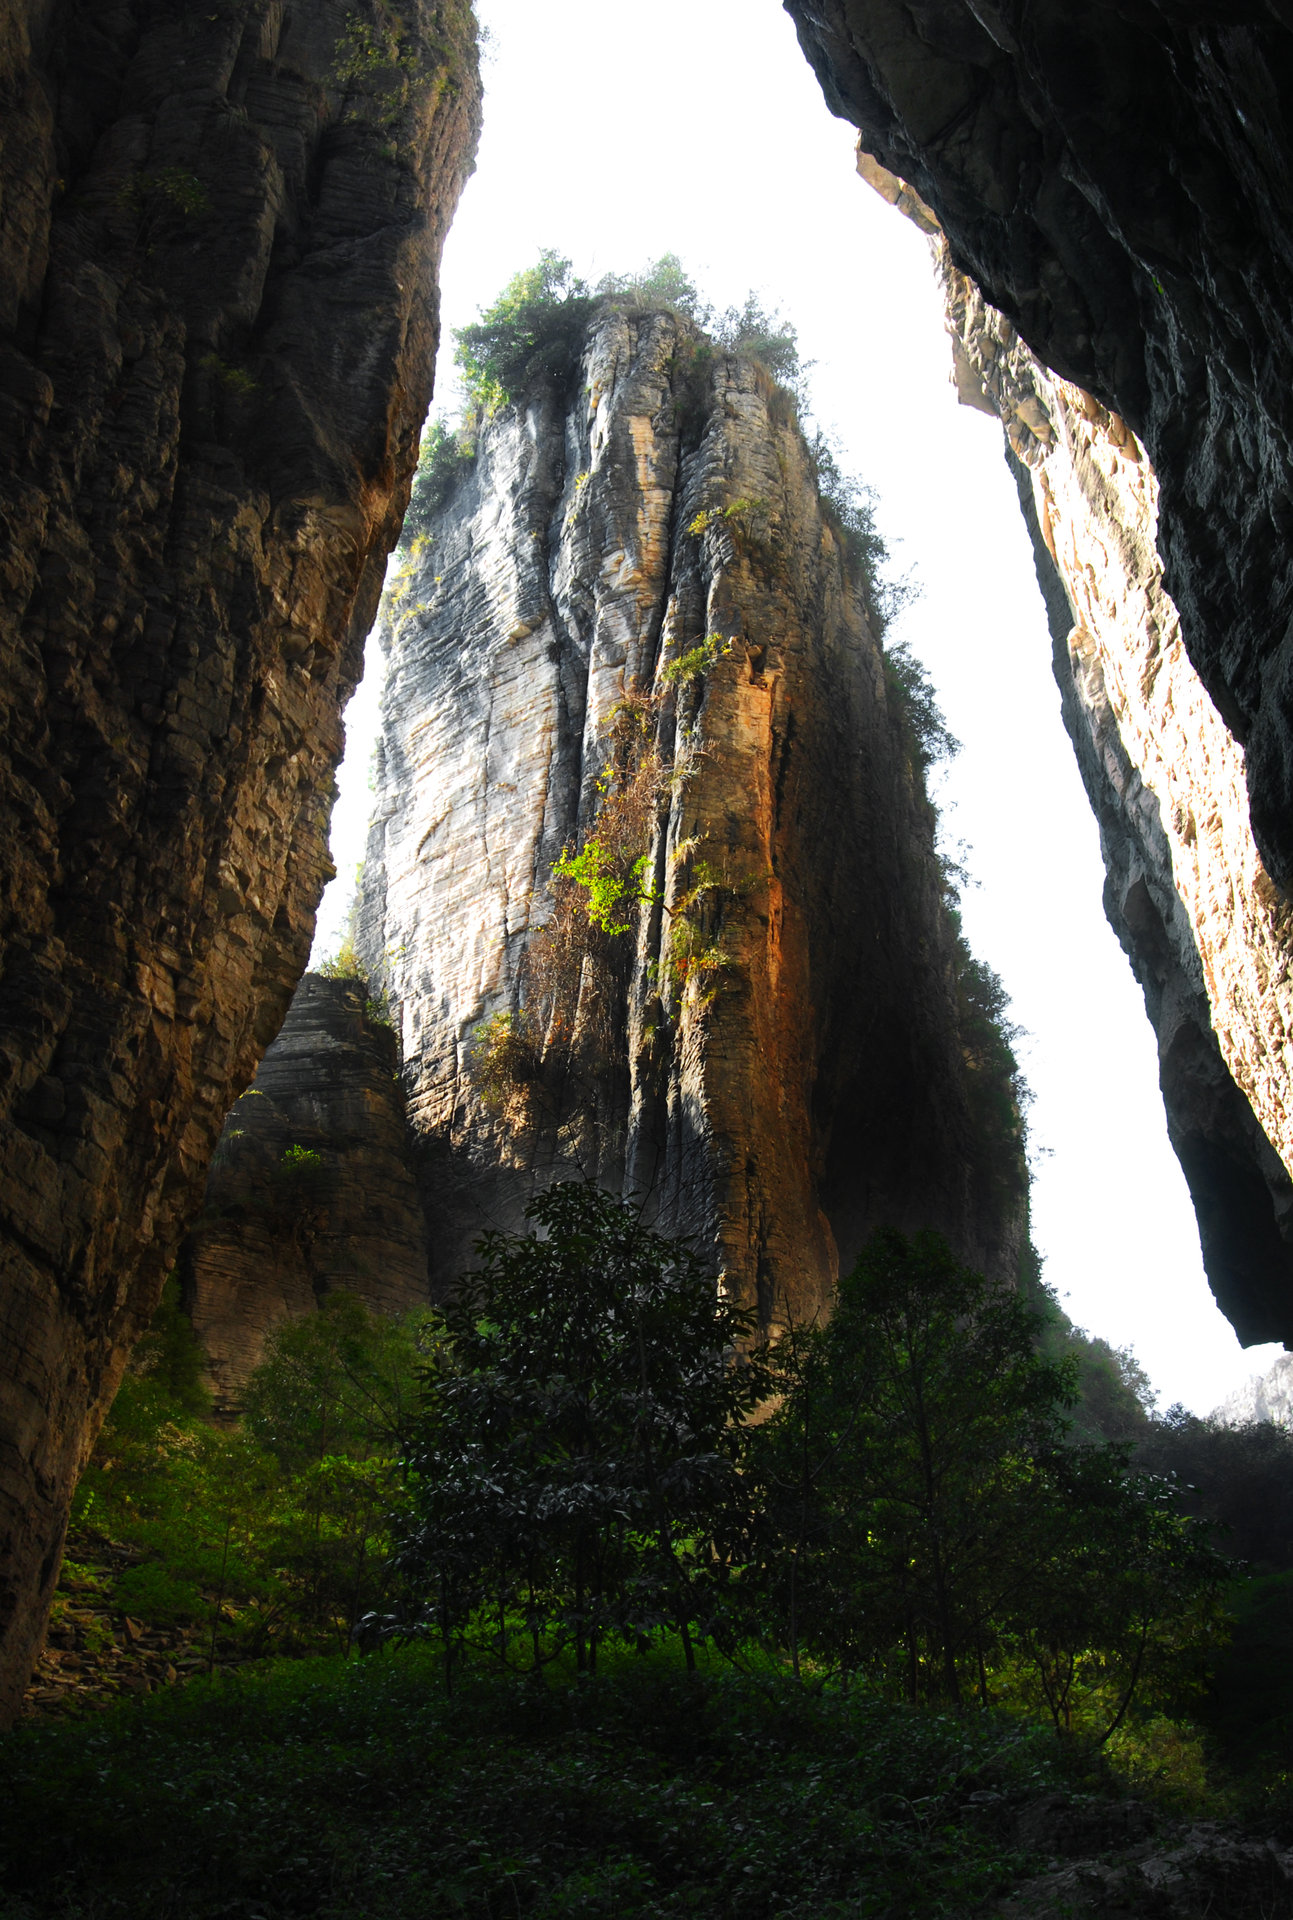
column 636, row 600
column 310, row 1188
column 221, row 228
column 1209, row 936
column 1117, row 179
column 1198, row 908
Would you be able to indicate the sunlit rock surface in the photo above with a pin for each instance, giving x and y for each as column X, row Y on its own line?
column 1206, row 931
column 1267, row 1396
column 220, row 234
column 310, row 1190
column 805, row 1079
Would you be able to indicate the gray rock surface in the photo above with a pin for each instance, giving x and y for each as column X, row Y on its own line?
column 310, row 1190
column 771, row 1054
column 1266, row 1396
column 1117, row 179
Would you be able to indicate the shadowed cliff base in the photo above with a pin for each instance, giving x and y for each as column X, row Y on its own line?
column 217, row 331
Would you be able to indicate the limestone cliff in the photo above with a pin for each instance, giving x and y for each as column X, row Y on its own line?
column 635, row 636
column 1208, row 935
column 1117, row 179
column 221, row 229
column 1079, row 174
column 1267, row 1396
column 310, row 1188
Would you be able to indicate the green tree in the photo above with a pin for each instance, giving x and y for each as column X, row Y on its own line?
column 901, row 1464
column 663, row 283
column 342, row 1380
column 446, row 454
column 529, row 337
column 929, row 1513
column 1117, row 1597
column 578, row 1444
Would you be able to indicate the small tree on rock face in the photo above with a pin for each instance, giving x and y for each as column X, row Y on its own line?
column 577, row 1448
column 532, row 335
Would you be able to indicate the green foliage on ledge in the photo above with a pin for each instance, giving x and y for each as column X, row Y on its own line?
column 531, row 335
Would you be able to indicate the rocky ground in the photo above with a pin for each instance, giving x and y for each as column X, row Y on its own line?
column 96, row 1654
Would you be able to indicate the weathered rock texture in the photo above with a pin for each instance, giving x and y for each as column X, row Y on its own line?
column 1117, row 179
column 1084, row 170
column 1207, row 933
column 1267, row 1396
column 771, row 1053
column 221, row 227
column 310, row 1188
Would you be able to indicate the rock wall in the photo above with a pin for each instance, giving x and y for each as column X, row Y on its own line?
column 1267, row 1396
column 1117, row 179
column 221, row 229
column 310, row 1187
column 1077, row 175
column 636, row 599
column 1208, row 934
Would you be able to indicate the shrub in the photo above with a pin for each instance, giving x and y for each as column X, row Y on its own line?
column 531, row 336
column 927, row 734
column 697, row 660
column 504, row 1060
column 447, row 455
column 663, row 283
column 764, row 336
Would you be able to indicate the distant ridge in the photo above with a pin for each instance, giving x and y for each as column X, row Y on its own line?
column 1266, row 1396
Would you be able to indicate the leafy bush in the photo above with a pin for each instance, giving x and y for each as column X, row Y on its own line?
column 696, row 661
column 997, row 1093
column 504, row 1059
column 447, row 455
column 766, row 337
column 664, row 283
column 610, row 891
column 327, row 1790
column 531, row 336
column 926, row 732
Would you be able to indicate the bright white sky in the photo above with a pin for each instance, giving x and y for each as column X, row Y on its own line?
column 615, row 135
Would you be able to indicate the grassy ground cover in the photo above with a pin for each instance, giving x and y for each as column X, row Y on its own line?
column 362, row 1789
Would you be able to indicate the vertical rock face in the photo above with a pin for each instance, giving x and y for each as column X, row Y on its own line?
column 1208, row 934
column 1206, row 931
column 1117, row 179
column 221, row 227
column 634, row 630
column 310, row 1188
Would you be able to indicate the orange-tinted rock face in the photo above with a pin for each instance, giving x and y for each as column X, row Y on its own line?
column 217, row 328
column 639, row 575
column 310, row 1190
